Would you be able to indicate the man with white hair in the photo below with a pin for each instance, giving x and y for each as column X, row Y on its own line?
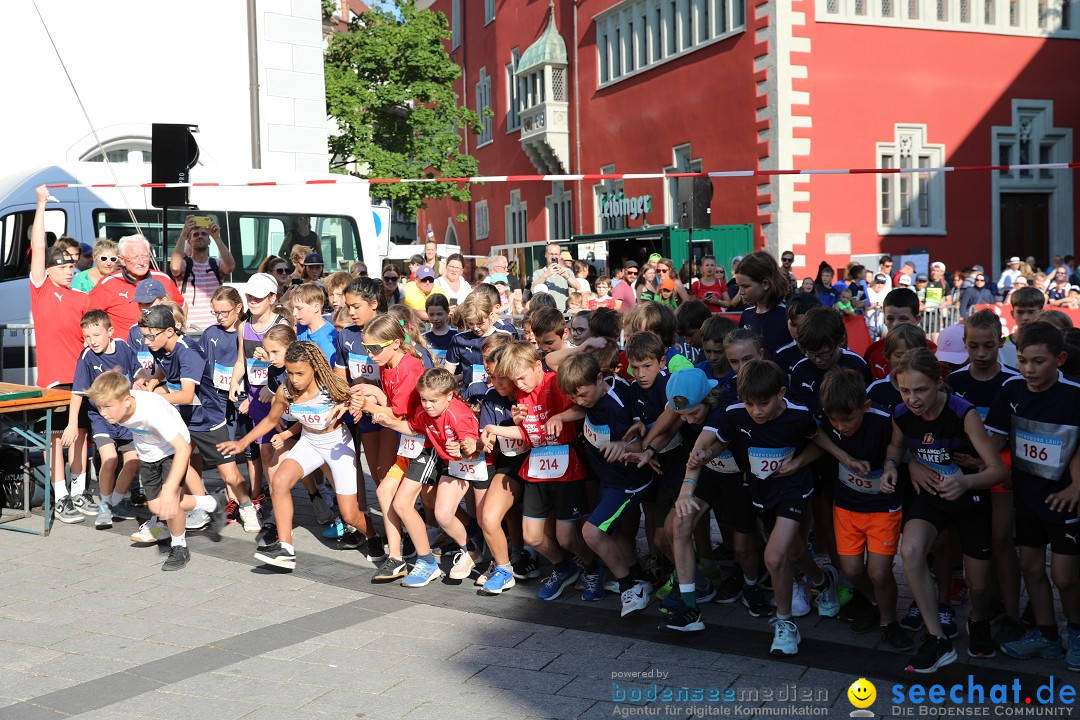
column 115, row 294
column 498, row 263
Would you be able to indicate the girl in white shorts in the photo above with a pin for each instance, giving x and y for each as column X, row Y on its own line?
column 317, row 398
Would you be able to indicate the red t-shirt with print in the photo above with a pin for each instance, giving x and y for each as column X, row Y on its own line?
column 541, row 404
column 399, row 384
column 58, row 334
column 456, row 423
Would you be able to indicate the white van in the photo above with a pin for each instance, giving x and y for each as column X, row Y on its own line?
column 254, row 221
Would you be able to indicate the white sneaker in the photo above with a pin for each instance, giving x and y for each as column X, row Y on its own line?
column 786, row 638
column 249, row 519
column 196, row 519
column 634, row 600
column 800, row 599
column 151, row 531
column 464, row 562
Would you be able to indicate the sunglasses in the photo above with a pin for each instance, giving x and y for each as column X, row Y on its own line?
column 281, row 271
column 426, row 280
column 375, row 349
column 108, row 258
column 390, row 278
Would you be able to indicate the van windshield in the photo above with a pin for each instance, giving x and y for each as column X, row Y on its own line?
column 250, row 237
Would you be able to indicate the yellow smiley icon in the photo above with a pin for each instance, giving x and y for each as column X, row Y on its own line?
column 862, row 693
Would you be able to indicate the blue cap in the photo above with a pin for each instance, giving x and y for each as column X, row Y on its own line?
column 496, row 278
column 149, row 290
column 688, row 388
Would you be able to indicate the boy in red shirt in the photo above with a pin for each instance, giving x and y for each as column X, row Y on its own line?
column 900, row 307
column 553, row 472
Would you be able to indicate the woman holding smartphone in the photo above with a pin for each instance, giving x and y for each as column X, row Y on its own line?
column 711, row 289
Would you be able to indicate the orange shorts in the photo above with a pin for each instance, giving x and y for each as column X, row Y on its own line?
column 877, row 532
column 397, row 470
column 1005, row 486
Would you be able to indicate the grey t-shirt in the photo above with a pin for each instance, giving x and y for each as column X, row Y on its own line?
column 557, row 285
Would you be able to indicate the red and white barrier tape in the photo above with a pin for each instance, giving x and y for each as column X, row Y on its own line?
column 592, row 176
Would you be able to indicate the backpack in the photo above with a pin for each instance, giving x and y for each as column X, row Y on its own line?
column 189, row 272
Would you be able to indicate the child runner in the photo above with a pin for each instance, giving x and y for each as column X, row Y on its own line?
column 1037, row 414
column 788, row 356
column 164, row 447
column 900, row 307
column 464, row 357
column 505, row 457
column 1027, row 304
column 763, row 287
column 415, row 470
column 553, row 472
column 365, row 300
column 689, row 318
column 607, row 421
column 980, row 382
column 765, row 431
column 219, row 344
column 317, row 398
column 183, row 375
column 932, row 424
column 715, row 365
column 549, row 329
column 439, row 336
column 865, row 519
column 104, row 352
column 450, row 427
column 900, row 340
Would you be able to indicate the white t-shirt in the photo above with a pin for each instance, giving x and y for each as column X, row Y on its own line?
column 154, row 424
column 456, row 298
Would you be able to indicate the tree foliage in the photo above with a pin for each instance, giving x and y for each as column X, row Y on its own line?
column 390, row 87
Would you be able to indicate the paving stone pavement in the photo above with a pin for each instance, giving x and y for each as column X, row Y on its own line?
column 91, row 627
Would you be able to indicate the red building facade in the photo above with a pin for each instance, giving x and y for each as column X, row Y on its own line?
column 683, row 85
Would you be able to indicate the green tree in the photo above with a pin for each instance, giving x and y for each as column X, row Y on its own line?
column 389, row 86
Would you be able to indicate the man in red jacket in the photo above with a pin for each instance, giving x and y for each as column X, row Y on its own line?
column 115, row 292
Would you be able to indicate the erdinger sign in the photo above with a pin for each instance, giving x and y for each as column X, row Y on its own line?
column 618, row 205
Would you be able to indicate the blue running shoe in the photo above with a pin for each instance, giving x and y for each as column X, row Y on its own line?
column 334, row 530
column 1072, row 659
column 554, row 584
column 501, row 580
column 1034, row 645
column 594, row 585
column 423, row 572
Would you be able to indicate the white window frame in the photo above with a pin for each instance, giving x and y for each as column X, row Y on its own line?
column 997, row 17
column 489, row 11
column 682, row 161
column 607, row 187
column 656, row 31
column 910, row 148
column 517, row 219
column 513, row 98
column 455, row 24
column 483, row 102
column 481, row 220
column 560, row 216
column 1033, row 120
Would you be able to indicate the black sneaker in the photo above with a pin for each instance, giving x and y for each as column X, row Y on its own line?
column 179, row 556
column 350, row 540
column 1010, row 630
column 138, row 497
column 408, row 550
column 866, row 619
column 526, row 568
column 896, row 637
column 912, row 622
column 267, row 536
column 683, row 619
column 731, row 590
column 1028, row 616
column 934, row 653
column 376, row 549
column 277, row 556
column 391, row 569
column 217, row 517
column 980, row 643
column 755, row 600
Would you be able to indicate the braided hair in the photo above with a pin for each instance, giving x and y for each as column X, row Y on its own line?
column 309, row 352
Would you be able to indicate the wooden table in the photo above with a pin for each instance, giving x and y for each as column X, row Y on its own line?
column 26, row 407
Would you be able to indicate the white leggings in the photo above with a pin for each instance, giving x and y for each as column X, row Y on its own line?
column 334, row 449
